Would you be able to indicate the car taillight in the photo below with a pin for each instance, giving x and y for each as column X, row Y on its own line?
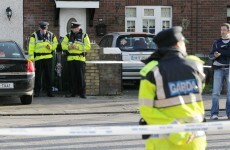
column 30, row 66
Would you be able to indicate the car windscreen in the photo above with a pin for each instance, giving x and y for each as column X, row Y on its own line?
column 10, row 50
column 136, row 43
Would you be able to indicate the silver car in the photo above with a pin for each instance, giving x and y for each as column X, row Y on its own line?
column 134, row 47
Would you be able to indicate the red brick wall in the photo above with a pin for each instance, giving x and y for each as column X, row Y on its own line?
column 204, row 18
column 36, row 11
column 210, row 15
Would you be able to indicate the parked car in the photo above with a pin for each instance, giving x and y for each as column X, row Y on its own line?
column 134, row 47
column 16, row 72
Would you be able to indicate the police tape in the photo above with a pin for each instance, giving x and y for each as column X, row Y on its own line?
column 114, row 62
column 117, row 130
column 123, row 62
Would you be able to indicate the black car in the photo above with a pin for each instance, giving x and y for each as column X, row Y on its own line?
column 16, row 72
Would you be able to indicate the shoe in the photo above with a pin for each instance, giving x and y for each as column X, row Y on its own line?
column 50, row 95
column 70, row 95
column 214, row 117
column 83, row 96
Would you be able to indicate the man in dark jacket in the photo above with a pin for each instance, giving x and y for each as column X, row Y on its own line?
column 220, row 55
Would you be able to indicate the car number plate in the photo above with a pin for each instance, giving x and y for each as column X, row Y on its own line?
column 138, row 57
column 6, row 85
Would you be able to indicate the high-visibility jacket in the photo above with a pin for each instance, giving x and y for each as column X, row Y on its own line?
column 81, row 40
column 170, row 92
column 38, row 46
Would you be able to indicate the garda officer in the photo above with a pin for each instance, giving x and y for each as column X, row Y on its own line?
column 41, row 45
column 75, row 44
column 170, row 93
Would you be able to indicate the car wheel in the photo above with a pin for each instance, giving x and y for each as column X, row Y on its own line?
column 26, row 99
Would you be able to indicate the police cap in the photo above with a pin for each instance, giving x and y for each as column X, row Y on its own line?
column 169, row 37
column 75, row 24
column 43, row 25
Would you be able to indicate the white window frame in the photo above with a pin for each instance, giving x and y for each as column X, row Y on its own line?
column 135, row 20
column 228, row 11
column 140, row 16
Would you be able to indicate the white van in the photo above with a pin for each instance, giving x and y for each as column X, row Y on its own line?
column 134, row 47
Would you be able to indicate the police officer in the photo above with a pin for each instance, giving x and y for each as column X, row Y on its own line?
column 75, row 44
column 41, row 46
column 170, row 93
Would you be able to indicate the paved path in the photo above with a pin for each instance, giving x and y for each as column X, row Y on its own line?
column 93, row 104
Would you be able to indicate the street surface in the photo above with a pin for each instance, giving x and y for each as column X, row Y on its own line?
column 93, row 111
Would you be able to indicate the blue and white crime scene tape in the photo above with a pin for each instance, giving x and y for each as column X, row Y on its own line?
column 117, row 130
column 122, row 62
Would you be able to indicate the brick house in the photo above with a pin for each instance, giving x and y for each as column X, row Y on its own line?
column 200, row 19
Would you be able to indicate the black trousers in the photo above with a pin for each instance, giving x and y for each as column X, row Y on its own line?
column 43, row 67
column 77, row 77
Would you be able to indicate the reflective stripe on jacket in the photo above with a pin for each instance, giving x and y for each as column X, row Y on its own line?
column 38, row 46
column 81, row 40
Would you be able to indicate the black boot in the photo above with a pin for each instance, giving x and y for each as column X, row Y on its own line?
column 70, row 95
column 49, row 94
column 83, row 96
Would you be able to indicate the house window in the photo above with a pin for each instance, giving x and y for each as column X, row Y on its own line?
column 165, row 12
column 130, row 26
column 165, row 24
column 130, row 12
column 149, row 25
column 228, row 14
column 150, row 19
column 148, row 12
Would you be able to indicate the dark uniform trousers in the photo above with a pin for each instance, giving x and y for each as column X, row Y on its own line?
column 77, row 77
column 43, row 67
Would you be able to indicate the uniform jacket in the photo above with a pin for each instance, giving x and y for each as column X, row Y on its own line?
column 81, row 40
column 38, row 43
column 170, row 90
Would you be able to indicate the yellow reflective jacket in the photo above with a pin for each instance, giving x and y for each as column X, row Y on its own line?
column 158, row 107
column 81, row 41
column 38, row 46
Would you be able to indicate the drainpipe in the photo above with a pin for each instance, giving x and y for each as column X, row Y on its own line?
column 191, row 24
column 197, row 24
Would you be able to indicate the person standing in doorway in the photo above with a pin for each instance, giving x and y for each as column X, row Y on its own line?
column 75, row 44
column 220, row 55
column 42, row 44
